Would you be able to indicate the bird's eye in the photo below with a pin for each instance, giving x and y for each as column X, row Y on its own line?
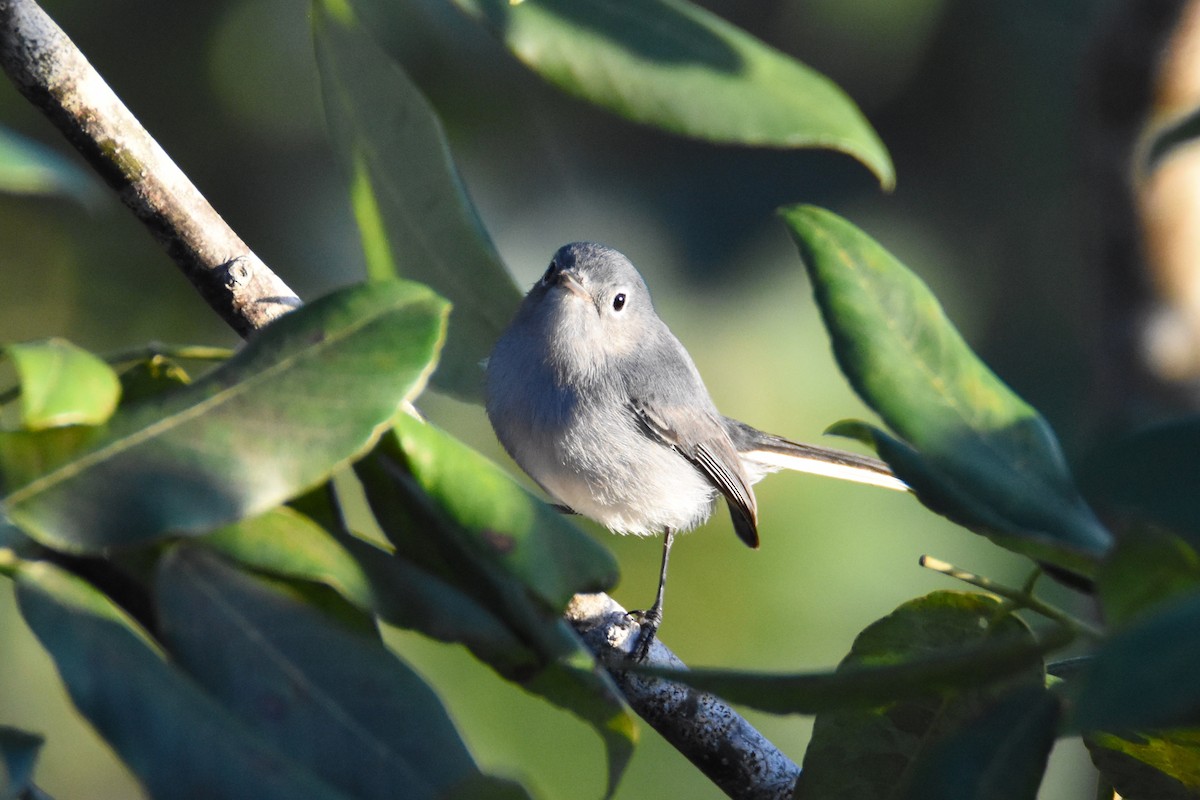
column 548, row 275
column 619, row 302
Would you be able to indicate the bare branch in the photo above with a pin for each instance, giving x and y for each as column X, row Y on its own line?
column 714, row 737
column 53, row 75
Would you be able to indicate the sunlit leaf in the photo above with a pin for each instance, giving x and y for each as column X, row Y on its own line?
column 676, row 66
column 1149, row 766
column 286, row 542
column 305, row 395
column 999, row 460
column 170, row 733
column 475, row 532
column 330, row 698
column 62, row 384
column 413, row 212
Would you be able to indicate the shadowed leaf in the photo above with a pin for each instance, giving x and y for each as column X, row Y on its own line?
column 413, row 213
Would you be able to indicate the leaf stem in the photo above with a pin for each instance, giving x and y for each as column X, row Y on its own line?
column 181, row 352
column 1021, row 598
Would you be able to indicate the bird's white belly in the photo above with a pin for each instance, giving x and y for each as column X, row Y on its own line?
column 601, row 476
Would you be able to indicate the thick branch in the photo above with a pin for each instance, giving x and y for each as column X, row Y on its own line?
column 51, row 72
column 714, row 737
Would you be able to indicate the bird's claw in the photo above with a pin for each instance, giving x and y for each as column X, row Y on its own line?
column 648, row 622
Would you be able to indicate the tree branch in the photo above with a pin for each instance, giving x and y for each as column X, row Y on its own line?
column 714, row 737
column 50, row 71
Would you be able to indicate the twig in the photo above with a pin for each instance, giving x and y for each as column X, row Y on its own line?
column 1019, row 597
column 714, row 737
column 53, row 75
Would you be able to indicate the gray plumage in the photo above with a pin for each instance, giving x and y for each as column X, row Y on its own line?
column 595, row 398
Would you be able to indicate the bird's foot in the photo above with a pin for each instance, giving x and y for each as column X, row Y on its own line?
column 648, row 622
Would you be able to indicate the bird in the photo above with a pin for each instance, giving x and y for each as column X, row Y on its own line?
column 594, row 397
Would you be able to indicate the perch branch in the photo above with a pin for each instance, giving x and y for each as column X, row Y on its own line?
column 50, row 71
column 701, row 726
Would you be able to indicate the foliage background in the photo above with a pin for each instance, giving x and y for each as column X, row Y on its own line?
column 977, row 102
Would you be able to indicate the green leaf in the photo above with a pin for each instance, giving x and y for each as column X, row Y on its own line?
column 676, row 66
column 304, row 396
column 1143, row 677
column 18, row 754
column 997, row 455
column 1149, row 766
column 500, row 521
column 869, row 752
column 413, row 212
column 151, row 377
column 62, row 384
column 27, row 167
column 862, row 682
column 175, row 738
column 1147, row 569
column 330, row 698
column 1138, row 476
column 999, row 755
column 475, row 532
column 287, row 543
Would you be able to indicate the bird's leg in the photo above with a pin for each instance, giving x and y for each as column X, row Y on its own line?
column 650, row 619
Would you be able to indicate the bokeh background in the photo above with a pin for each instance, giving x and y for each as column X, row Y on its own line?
column 978, row 101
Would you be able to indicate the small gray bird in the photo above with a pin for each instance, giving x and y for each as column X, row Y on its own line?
column 594, row 397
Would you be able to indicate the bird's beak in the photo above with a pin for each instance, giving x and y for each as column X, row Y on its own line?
column 569, row 282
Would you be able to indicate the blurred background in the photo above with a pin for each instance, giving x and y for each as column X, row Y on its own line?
column 980, row 105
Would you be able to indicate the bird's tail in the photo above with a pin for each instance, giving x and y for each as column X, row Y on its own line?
column 764, row 452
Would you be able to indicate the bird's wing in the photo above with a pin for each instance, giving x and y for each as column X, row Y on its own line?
column 702, row 440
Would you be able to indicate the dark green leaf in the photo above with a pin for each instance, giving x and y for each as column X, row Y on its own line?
column 861, row 683
column 413, row 212
column 676, row 66
column 62, row 384
column 287, row 543
column 176, row 739
column 1148, row 567
column 1139, row 476
column 305, row 395
column 1151, row 766
column 906, row 360
column 1144, row 676
column 333, row 699
column 464, row 521
column 18, row 754
column 868, row 752
column 27, row 167
column 999, row 755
